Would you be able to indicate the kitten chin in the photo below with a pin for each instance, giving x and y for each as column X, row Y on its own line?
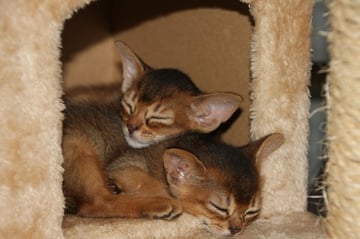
column 135, row 140
column 135, row 143
column 218, row 231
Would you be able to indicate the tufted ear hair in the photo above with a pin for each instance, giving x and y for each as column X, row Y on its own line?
column 182, row 166
column 208, row 111
column 133, row 68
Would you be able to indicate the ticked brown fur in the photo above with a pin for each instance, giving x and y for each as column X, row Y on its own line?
column 213, row 181
column 101, row 122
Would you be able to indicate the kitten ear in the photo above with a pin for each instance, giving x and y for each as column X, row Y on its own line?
column 132, row 66
column 182, row 166
column 208, row 111
column 263, row 147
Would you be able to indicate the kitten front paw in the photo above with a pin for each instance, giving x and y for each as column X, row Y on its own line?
column 165, row 209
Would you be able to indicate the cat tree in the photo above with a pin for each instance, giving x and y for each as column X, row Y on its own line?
column 343, row 121
column 32, row 202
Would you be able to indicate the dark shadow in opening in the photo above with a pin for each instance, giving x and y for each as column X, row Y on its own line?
column 99, row 16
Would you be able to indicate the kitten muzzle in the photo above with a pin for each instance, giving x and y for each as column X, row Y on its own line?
column 135, row 143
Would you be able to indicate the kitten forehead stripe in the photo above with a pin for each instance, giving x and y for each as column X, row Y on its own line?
column 231, row 204
column 157, row 107
column 134, row 96
column 126, row 105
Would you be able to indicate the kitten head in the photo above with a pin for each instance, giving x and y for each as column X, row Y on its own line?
column 159, row 104
column 223, row 188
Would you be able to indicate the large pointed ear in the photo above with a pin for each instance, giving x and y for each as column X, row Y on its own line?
column 208, row 111
column 263, row 147
column 182, row 166
column 132, row 66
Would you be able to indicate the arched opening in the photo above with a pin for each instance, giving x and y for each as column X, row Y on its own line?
column 209, row 40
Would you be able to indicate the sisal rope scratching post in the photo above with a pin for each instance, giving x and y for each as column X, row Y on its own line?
column 343, row 169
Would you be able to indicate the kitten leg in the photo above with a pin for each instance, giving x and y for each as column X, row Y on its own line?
column 84, row 178
column 141, row 195
column 86, row 185
column 158, row 207
column 130, row 206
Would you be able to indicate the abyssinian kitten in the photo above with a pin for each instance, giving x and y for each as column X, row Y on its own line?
column 216, row 182
column 147, row 107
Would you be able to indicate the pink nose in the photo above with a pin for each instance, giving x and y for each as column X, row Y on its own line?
column 234, row 229
column 132, row 128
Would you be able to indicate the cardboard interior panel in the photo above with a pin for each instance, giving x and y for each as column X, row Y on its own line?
column 87, row 41
column 197, row 37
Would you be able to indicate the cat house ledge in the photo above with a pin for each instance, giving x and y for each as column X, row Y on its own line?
column 32, row 83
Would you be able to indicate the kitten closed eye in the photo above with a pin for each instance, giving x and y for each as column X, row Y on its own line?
column 166, row 120
column 219, row 209
column 251, row 212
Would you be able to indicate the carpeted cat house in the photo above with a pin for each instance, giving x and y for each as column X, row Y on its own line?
column 260, row 49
